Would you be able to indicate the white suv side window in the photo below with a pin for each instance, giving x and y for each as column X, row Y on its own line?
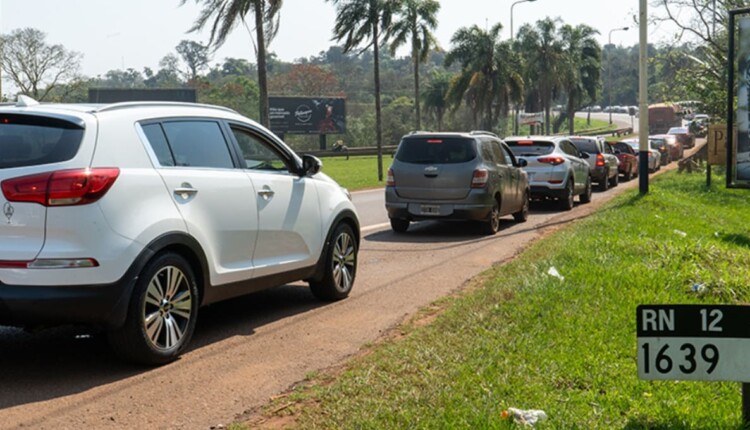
column 198, row 144
column 257, row 154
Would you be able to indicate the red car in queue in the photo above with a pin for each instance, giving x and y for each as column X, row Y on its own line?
column 628, row 167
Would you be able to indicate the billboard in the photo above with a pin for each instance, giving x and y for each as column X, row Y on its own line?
column 742, row 158
column 531, row 118
column 307, row 115
column 115, row 95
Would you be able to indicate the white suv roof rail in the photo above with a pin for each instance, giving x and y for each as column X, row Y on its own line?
column 129, row 105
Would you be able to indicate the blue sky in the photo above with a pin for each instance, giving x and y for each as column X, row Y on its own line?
column 113, row 34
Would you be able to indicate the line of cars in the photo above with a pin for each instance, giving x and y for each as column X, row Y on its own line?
column 477, row 176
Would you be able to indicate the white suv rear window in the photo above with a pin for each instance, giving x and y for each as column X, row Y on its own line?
column 27, row 140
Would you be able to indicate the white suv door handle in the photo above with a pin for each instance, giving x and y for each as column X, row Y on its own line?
column 266, row 193
column 185, row 191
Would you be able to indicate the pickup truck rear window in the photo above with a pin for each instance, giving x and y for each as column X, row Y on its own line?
column 28, row 140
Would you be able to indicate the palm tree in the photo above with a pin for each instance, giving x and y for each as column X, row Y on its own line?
column 478, row 83
column 224, row 15
column 543, row 52
column 580, row 63
column 434, row 97
column 417, row 20
column 364, row 21
column 509, row 78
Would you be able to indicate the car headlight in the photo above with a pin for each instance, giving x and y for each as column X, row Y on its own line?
column 347, row 193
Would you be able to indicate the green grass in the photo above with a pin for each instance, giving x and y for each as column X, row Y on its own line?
column 358, row 173
column 528, row 340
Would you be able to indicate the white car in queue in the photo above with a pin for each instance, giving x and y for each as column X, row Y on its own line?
column 556, row 169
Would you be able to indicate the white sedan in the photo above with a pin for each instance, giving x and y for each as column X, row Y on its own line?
column 654, row 156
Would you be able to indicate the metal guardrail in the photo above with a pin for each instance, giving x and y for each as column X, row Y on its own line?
column 389, row 149
column 346, row 151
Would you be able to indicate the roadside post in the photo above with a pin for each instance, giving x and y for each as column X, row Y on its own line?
column 717, row 148
column 695, row 343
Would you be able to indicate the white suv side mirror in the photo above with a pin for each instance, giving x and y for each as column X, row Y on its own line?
column 310, row 165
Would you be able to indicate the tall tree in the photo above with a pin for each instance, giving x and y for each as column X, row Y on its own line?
column 417, row 19
column 479, row 81
column 704, row 25
column 543, row 52
column 35, row 67
column 361, row 22
column 306, row 80
column 580, row 62
column 434, row 96
column 225, row 15
column 196, row 57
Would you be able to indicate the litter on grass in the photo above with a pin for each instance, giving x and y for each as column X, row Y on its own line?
column 680, row 233
column 698, row 288
column 528, row 417
column 555, row 274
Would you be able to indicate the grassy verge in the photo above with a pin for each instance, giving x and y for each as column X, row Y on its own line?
column 529, row 340
column 356, row 173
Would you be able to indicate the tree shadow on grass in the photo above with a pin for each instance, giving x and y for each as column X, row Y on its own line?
column 736, row 239
column 674, row 423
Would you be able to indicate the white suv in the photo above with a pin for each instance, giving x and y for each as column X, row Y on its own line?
column 131, row 216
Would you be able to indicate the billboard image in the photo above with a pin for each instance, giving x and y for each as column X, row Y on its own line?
column 742, row 158
column 307, row 115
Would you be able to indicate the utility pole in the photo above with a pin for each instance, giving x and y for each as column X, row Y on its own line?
column 643, row 98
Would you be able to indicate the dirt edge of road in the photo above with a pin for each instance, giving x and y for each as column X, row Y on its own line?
column 279, row 411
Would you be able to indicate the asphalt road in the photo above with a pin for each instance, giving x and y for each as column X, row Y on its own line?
column 621, row 119
column 246, row 351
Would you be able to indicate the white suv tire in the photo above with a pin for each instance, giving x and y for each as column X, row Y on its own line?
column 161, row 314
column 339, row 267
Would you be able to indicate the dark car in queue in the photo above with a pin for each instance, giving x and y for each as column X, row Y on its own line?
column 455, row 176
column 683, row 135
column 674, row 146
column 628, row 158
column 660, row 144
column 603, row 163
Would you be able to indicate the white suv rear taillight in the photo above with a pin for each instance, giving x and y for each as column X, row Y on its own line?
column 62, row 187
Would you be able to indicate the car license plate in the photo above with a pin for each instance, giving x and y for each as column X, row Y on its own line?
column 429, row 209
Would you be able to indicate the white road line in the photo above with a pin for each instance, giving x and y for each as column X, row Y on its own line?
column 373, row 227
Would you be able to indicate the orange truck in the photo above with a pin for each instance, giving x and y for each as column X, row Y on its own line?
column 662, row 117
